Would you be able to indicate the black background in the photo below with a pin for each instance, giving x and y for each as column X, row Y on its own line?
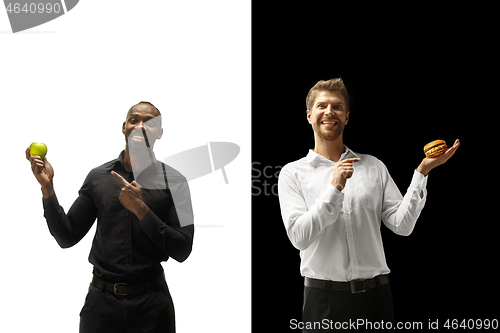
column 413, row 76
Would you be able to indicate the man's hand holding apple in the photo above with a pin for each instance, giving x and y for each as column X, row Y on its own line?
column 43, row 171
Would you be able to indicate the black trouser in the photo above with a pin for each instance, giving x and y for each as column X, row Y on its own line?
column 329, row 310
column 104, row 311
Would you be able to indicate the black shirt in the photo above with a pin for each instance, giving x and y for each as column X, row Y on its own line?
column 126, row 249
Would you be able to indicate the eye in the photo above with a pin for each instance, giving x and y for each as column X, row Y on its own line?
column 152, row 123
column 338, row 107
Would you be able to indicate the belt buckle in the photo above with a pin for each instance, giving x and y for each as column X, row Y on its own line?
column 355, row 290
column 115, row 289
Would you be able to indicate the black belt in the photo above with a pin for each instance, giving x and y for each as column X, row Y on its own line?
column 355, row 286
column 124, row 289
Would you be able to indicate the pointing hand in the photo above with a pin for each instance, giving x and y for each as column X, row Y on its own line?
column 342, row 171
column 131, row 196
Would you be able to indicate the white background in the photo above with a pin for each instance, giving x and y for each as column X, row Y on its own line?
column 69, row 83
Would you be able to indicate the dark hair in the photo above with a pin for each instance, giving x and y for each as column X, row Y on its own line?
column 144, row 102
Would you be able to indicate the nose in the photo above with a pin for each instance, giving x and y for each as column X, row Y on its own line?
column 140, row 125
column 138, row 128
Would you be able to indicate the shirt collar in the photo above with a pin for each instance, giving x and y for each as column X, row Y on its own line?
column 120, row 159
column 313, row 157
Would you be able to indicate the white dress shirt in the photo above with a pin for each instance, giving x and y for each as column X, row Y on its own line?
column 338, row 232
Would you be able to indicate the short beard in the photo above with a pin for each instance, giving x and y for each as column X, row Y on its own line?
column 334, row 136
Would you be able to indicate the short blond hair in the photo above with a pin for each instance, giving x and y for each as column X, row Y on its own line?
column 330, row 85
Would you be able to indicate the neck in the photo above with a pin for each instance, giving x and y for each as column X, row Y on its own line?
column 137, row 160
column 331, row 149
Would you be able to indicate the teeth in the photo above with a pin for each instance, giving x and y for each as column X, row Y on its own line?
column 329, row 122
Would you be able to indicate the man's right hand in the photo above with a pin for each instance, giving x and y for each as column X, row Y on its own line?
column 342, row 171
column 43, row 172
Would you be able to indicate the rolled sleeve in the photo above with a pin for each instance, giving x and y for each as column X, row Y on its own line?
column 419, row 182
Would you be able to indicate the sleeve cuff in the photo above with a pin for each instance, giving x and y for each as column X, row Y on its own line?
column 50, row 206
column 418, row 180
column 331, row 193
column 150, row 224
column 49, row 199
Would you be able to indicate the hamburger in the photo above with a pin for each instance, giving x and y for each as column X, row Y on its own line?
column 435, row 148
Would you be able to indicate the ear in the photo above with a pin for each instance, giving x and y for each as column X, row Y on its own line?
column 123, row 128
column 160, row 134
column 347, row 117
column 308, row 116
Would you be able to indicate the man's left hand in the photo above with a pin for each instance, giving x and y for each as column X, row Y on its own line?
column 131, row 197
column 430, row 163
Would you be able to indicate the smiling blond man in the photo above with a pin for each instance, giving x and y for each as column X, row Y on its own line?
column 332, row 203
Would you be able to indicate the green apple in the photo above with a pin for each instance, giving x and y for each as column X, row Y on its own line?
column 38, row 148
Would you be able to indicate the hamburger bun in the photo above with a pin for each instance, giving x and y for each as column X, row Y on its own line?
column 435, row 148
